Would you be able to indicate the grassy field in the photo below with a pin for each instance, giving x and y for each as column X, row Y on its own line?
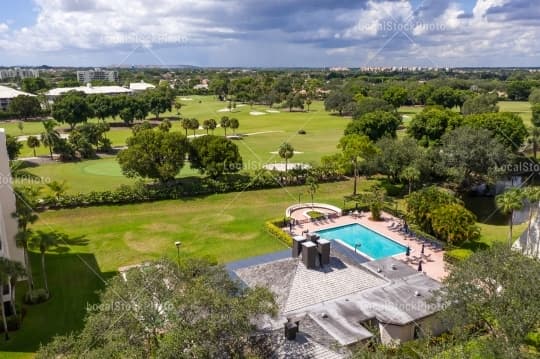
column 226, row 227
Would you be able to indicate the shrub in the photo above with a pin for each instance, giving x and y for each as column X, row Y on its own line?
column 36, row 296
column 315, row 214
column 277, row 232
column 301, row 132
column 454, row 256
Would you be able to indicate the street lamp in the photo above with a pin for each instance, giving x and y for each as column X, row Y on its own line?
column 178, row 244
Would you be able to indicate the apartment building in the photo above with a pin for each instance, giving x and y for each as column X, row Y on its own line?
column 97, row 75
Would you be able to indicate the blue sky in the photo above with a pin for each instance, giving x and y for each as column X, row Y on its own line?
column 442, row 33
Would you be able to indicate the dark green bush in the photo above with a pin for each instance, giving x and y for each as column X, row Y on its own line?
column 273, row 229
column 457, row 255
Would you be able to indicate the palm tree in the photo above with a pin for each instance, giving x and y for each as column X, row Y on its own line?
column 212, row 124
column 225, row 123
column 308, row 103
column 8, row 270
column 18, row 171
column 234, row 124
column 206, row 125
column 178, row 107
column 312, row 188
column 57, row 188
column 25, row 201
column 509, row 202
column 16, row 271
column 286, row 151
column 186, row 123
column 532, row 195
column 50, row 136
column 44, row 241
column 194, row 125
column 356, row 148
column 33, row 142
column 410, row 174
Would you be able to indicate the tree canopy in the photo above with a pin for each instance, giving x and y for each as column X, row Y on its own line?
column 71, row 108
column 25, row 106
column 214, row 155
column 154, row 154
column 430, row 125
column 375, row 125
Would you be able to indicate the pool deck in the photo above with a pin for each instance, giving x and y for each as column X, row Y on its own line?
column 432, row 259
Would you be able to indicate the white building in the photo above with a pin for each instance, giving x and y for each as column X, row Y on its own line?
column 17, row 72
column 140, row 86
column 97, row 74
column 89, row 90
column 8, row 224
column 7, row 94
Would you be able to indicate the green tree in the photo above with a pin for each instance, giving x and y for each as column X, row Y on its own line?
column 471, row 156
column 225, row 123
column 410, row 174
column 25, row 202
column 509, row 202
column 490, row 296
column 366, row 105
column 33, row 142
column 186, row 125
column 189, row 309
column 312, row 187
column 356, row 149
column 159, row 100
column 446, row 97
column 308, row 103
column 234, row 124
column 507, row 127
column 432, row 123
column 102, row 106
column 480, row 104
column 194, row 125
column 154, row 154
column 13, row 147
column 165, row 125
column 519, row 90
column 25, row 107
column 8, row 270
column 535, row 108
column 421, row 205
column 337, row 101
column 44, row 241
column 33, row 85
column 534, row 97
column 454, row 224
column 57, row 188
column 214, row 156
column 286, row 151
column 395, row 95
column 375, row 125
column 50, row 136
column 71, row 108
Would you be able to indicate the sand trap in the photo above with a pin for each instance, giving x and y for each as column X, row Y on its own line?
column 272, row 111
column 257, row 113
column 261, row 133
column 186, row 99
column 295, row 152
column 224, row 110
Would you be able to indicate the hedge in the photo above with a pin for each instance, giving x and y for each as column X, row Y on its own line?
column 181, row 188
column 455, row 256
column 273, row 229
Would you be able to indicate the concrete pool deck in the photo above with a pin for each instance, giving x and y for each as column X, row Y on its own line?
column 432, row 261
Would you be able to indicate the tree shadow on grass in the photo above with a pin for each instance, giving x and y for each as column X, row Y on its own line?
column 74, row 281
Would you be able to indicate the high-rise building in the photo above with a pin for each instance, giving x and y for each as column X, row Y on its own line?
column 17, row 73
column 97, row 74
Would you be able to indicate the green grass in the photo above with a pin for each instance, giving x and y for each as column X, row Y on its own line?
column 227, row 227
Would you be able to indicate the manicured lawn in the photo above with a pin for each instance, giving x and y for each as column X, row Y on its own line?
column 226, row 227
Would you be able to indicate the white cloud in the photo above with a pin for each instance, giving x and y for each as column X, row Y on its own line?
column 3, row 27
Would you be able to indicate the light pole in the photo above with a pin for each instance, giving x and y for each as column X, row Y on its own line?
column 178, row 244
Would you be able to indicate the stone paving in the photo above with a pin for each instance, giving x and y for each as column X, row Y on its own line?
column 432, row 259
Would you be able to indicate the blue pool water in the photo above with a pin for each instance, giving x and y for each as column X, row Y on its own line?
column 371, row 243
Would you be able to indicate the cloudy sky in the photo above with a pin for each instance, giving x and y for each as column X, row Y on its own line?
column 443, row 33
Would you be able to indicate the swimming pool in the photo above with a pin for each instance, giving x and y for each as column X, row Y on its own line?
column 371, row 243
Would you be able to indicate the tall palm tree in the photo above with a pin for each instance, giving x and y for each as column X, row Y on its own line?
column 312, row 187
column 8, row 269
column 286, row 151
column 18, row 171
column 186, row 124
column 16, row 271
column 206, row 125
column 44, row 241
column 234, row 123
column 194, row 125
column 212, row 124
column 225, row 123
column 25, row 202
column 509, row 202
column 50, row 136
column 33, row 142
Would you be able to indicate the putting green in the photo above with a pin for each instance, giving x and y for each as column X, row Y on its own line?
column 108, row 168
